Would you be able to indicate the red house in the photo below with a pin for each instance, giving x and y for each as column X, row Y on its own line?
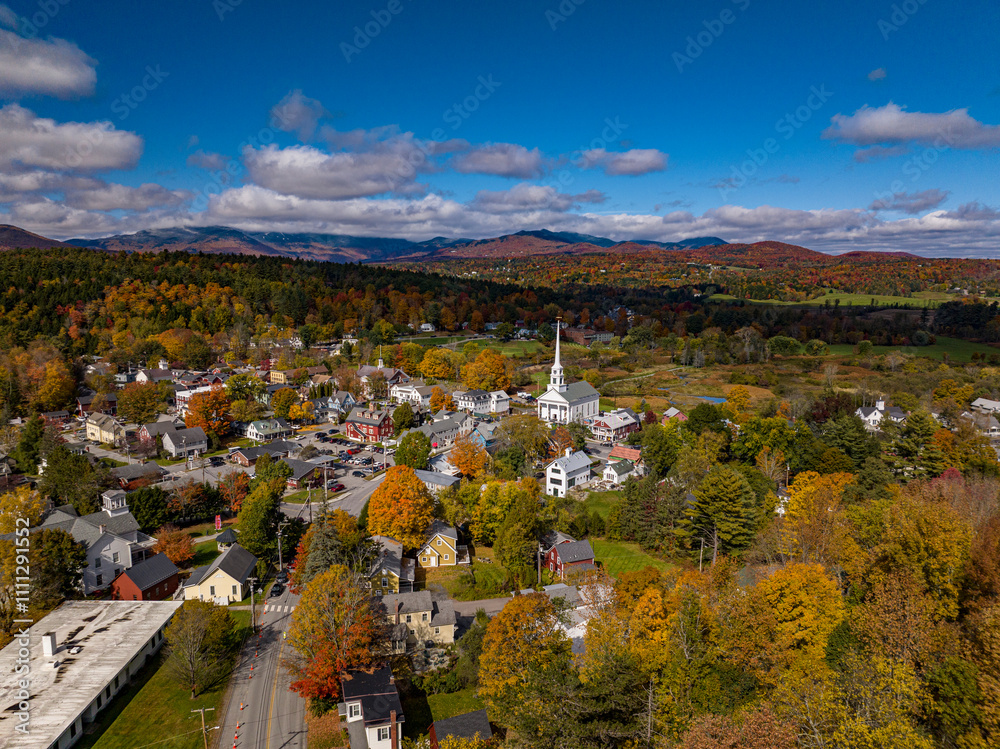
column 569, row 555
column 152, row 580
column 368, row 426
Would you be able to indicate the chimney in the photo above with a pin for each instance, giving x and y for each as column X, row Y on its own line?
column 49, row 644
column 569, row 451
column 397, row 612
column 392, row 729
column 102, row 529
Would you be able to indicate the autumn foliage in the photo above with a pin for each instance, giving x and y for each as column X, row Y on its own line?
column 401, row 507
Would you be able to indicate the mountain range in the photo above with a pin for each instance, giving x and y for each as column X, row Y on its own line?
column 345, row 248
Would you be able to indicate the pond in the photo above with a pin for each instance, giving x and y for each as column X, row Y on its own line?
column 710, row 399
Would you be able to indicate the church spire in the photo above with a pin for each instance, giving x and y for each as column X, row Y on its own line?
column 556, row 380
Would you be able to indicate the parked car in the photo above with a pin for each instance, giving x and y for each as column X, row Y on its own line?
column 282, row 577
column 276, row 590
column 358, row 474
column 338, row 487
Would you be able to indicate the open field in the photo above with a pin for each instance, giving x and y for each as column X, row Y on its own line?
column 449, row 705
column 154, row 701
column 602, row 502
column 955, row 348
column 517, row 349
column 620, row 556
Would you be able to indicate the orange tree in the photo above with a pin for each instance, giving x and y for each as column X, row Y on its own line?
column 336, row 626
column 210, row 411
column 490, row 371
column 401, row 507
column 468, row 456
column 175, row 543
column 234, row 486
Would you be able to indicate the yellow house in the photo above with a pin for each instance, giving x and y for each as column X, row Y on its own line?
column 424, row 618
column 225, row 581
column 391, row 572
column 104, row 429
column 441, row 548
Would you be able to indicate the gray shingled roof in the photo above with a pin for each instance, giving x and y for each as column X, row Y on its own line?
column 576, row 551
column 439, row 526
column 235, row 561
column 442, row 612
column 138, row 471
column 151, row 572
column 574, row 462
column 227, row 536
column 464, row 726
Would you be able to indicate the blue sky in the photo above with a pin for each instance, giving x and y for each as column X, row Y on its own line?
column 851, row 125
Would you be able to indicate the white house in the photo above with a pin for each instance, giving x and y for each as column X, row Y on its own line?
column 617, row 472
column 562, row 474
column 412, row 392
column 266, row 430
column 872, row 416
column 985, row 405
column 564, row 404
column 499, row 402
column 473, row 401
column 111, row 537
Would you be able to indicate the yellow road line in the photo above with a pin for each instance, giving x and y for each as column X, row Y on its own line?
column 274, row 691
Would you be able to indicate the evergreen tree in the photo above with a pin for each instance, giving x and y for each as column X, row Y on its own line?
column 324, row 550
column 258, row 519
column 402, row 419
column 723, row 514
column 27, row 452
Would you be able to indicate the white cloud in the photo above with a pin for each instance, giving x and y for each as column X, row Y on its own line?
column 8, row 17
column 892, row 125
column 877, row 75
column 51, row 67
column 307, row 172
column 297, row 113
column 912, row 203
column 32, row 142
column 527, row 197
column 502, row 160
column 114, row 197
column 628, row 163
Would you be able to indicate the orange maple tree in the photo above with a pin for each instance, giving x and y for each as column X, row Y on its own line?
column 401, row 507
column 175, row 543
column 468, row 456
column 210, row 411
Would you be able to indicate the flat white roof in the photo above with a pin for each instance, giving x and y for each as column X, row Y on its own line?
column 109, row 634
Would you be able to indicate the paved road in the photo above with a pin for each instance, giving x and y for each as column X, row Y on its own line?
column 273, row 717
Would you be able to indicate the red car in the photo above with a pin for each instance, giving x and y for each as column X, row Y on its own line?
column 337, row 488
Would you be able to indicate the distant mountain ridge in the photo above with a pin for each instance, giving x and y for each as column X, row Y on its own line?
column 344, row 247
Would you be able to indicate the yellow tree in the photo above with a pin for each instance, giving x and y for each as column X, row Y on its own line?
column 21, row 502
column 786, row 619
column 401, row 507
column 437, row 363
column 811, row 528
column 210, row 411
column 57, row 387
column 523, row 644
column 738, row 403
column 441, row 400
column 490, row 371
column 468, row 456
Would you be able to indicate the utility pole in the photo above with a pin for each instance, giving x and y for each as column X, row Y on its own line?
column 253, row 617
column 282, row 525
column 204, row 731
column 540, row 552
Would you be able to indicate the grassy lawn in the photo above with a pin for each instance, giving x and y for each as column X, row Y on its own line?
column 449, row 705
column 489, row 577
column 518, row 349
column 619, row 556
column 208, row 529
column 601, row 502
column 154, row 702
column 957, row 349
column 297, row 498
column 204, row 553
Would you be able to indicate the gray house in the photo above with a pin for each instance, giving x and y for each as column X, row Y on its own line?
column 185, row 443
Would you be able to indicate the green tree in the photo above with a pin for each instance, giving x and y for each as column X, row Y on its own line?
column 414, row 450
column 282, row 402
column 244, row 387
column 26, row 454
column 70, row 479
column 402, row 419
column 723, row 514
column 57, row 563
column 660, row 446
column 149, row 507
column 258, row 519
column 268, row 470
column 140, row 402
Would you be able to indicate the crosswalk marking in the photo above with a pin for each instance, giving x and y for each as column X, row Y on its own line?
column 272, row 608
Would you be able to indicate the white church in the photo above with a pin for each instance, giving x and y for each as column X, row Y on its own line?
column 562, row 403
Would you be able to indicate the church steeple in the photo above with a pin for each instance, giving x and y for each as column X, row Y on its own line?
column 556, row 380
